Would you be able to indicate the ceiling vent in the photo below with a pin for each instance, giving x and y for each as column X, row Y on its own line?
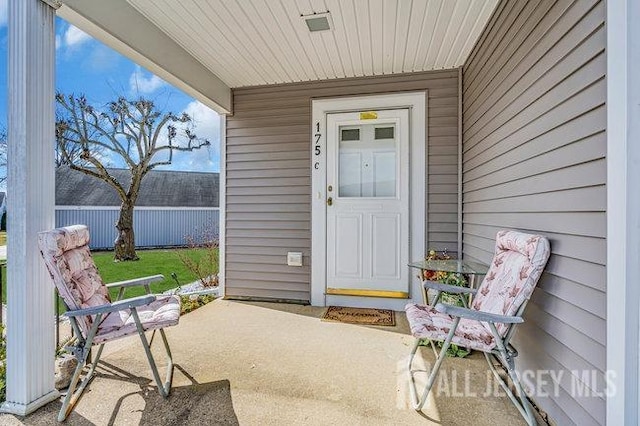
column 318, row 21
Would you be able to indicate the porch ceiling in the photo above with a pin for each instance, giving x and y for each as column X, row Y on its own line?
column 257, row 42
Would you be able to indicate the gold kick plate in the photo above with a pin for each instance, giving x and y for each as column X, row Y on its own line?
column 368, row 293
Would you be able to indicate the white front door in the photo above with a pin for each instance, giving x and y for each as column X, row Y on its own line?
column 368, row 203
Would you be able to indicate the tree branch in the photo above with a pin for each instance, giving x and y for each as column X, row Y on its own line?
column 189, row 147
column 103, row 175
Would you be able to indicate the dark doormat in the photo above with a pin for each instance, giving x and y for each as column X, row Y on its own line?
column 362, row 316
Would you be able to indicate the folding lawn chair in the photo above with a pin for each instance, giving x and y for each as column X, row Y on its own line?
column 94, row 318
column 488, row 325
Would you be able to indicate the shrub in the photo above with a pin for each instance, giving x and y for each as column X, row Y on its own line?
column 205, row 267
column 191, row 303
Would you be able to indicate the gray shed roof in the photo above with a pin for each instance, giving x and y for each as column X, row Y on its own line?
column 160, row 188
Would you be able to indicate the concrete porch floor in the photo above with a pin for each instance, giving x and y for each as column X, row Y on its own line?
column 276, row 364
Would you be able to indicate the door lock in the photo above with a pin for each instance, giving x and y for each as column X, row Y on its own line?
column 329, row 201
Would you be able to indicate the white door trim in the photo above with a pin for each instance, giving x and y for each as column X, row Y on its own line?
column 416, row 102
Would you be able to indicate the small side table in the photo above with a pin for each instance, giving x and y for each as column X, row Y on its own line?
column 465, row 267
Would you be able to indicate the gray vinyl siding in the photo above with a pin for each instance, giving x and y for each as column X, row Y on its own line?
column 534, row 148
column 152, row 227
column 268, row 176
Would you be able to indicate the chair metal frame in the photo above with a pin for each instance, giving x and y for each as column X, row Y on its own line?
column 504, row 352
column 84, row 344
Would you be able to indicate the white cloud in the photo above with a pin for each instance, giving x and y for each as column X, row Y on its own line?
column 4, row 11
column 144, row 83
column 75, row 37
column 205, row 120
column 206, row 125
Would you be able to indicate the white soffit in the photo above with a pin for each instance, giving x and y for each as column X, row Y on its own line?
column 257, row 42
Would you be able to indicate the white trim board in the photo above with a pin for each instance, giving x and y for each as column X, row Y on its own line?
column 623, row 212
column 417, row 104
column 460, row 165
column 222, row 215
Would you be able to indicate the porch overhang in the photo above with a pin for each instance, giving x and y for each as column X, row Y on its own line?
column 209, row 48
column 118, row 25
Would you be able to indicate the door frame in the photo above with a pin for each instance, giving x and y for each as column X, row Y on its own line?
column 416, row 102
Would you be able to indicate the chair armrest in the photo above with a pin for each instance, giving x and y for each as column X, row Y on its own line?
column 113, row 307
column 137, row 281
column 454, row 289
column 458, row 311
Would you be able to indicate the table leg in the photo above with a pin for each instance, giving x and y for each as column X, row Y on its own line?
column 472, row 284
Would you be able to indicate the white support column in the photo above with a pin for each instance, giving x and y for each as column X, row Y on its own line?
column 623, row 211
column 30, row 201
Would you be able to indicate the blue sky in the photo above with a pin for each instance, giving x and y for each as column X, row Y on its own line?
column 86, row 66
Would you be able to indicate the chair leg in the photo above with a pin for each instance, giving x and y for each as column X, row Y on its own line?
column 163, row 388
column 416, row 401
column 518, row 399
column 73, row 394
column 528, row 414
column 169, row 376
column 507, row 361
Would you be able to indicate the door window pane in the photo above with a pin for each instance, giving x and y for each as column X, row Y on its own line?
column 384, row 132
column 350, row 134
column 367, row 163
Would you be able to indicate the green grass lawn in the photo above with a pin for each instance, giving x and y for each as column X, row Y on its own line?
column 152, row 262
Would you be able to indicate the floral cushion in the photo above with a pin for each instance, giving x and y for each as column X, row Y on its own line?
column 68, row 259
column 427, row 323
column 163, row 312
column 513, row 274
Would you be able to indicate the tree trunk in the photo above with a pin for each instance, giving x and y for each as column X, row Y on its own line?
column 125, row 245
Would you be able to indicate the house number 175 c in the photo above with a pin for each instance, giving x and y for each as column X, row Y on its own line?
column 317, row 150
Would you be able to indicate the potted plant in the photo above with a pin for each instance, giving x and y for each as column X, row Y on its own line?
column 450, row 278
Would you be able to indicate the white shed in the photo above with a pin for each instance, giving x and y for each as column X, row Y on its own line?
column 171, row 206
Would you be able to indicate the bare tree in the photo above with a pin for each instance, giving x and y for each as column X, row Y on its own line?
column 72, row 152
column 136, row 133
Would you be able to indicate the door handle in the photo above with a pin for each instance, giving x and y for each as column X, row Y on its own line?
column 329, row 201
